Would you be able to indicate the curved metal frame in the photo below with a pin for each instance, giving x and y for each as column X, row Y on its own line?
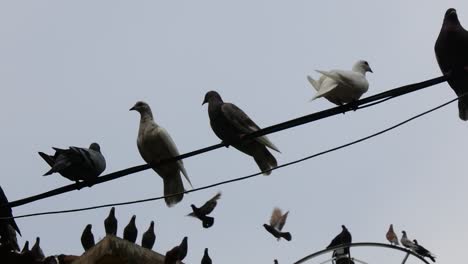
column 362, row 244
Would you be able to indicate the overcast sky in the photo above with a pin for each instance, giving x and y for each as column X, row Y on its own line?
column 70, row 70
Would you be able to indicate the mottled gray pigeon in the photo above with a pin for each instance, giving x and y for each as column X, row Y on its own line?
column 203, row 212
column 277, row 221
column 206, row 258
column 342, row 87
column 110, row 223
column 5, row 211
column 392, row 236
column 147, row 241
column 155, row 144
column 231, row 124
column 406, row 242
column 76, row 164
column 36, row 251
column 423, row 251
column 177, row 253
column 87, row 238
column 130, row 232
column 451, row 50
column 342, row 238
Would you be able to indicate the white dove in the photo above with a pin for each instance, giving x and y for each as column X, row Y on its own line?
column 155, row 145
column 341, row 87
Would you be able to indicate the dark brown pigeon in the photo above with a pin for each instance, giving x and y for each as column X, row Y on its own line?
column 36, row 251
column 177, row 253
column 25, row 249
column 87, row 238
column 422, row 251
column 451, row 49
column 206, row 258
column 130, row 232
column 203, row 212
column 5, row 211
column 230, row 124
column 76, row 164
column 277, row 221
column 147, row 241
column 342, row 238
column 110, row 223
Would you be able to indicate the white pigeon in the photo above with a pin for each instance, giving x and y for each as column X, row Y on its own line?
column 341, row 87
column 407, row 243
column 155, row 145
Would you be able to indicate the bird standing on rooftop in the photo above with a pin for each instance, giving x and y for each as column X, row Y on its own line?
column 87, row 238
column 110, row 223
column 148, row 238
column 130, row 232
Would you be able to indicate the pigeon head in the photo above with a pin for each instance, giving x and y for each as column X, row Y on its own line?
column 362, row 66
column 451, row 16
column 142, row 108
column 403, row 232
column 344, row 227
column 88, row 227
column 415, row 241
column 133, row 219
column 206, row 251
column 152, row 225
column 95, row 147
column 212, row 96
column 112, row 211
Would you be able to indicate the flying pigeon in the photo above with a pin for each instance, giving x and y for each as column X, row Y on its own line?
column 406, row 242
column 422, row 251
column 130, row 232
column 155, row 144
column 342, row 238
column 231, row 124
column 392, row 237
column 147, row 241
column 206, row 258
column 177, row 253
column 5, row 211
column 203, row 212
column 36, row 251
column 277, row 221
column 87, row 238
column 25, row 249
column 451, row 50
column 110, row 223
column 342, row 87
column 76, row 164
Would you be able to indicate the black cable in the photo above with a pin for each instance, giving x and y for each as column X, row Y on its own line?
column 248, row 176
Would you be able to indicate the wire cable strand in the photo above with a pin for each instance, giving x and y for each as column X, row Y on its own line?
column 248, row 176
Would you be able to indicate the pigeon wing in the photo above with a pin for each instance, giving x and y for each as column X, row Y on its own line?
column 276, row 218
column 210, row 205
column 282, row 221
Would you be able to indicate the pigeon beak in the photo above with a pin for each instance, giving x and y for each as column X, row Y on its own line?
column 370, row 70
column 133, row 108
column 204, row 101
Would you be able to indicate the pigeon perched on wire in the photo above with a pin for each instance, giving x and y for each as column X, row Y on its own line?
column 406, row 242
column 231, row 124
column 155, row 144
column 206, row 209
column 5, row 211
column 451, row 50
column 130, row 232
column 87, row 238
column 342, row 238
column 110, row 223
column 177, row 253
column 342, row 87
column 148, row 238
column 392, row 236
column 206, row 258
column 422, row 251
column 36, row 250
column 77, row 164
column 277, row 221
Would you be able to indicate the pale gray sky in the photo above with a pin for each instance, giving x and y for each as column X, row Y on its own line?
column 70, row 70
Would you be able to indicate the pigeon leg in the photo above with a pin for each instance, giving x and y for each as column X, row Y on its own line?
column 353, row 105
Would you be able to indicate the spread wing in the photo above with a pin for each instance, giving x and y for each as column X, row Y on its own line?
column 210, row 205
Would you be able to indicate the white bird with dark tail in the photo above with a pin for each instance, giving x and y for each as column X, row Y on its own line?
column 342, row 87
column 155, row 145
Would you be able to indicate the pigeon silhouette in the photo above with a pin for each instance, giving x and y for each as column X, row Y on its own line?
column 87, row 238
column 110, row 223
column 231, row 124
column 130, row 232
column 277, row 221
column 36, row 251
column 206, row 209
column 206, row 258
column 77, row 164
column 155, row 145
column 25, row 249
column 391, row 236
column 177, row 253
column 451, row 50
column 147, row 241
column 422, row 251
column 342, row 238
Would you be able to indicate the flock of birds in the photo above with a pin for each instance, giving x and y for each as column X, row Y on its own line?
column 231, row 125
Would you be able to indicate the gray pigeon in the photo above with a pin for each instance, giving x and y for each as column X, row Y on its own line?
column 155, row 144
column 110, row 223
column 147, row 241
column 406, row 242
column 76, row 164
column 277, row 221
column 36, row 251
column 206, row 209
column 130, row 232
column 230, row 124
column 451, row 50
column 342, row 238
column 87, row 238
column 206, row 258
column 5, row 211
column 423, row 251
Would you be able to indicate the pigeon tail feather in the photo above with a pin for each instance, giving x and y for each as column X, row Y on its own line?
column 463, row 108
column 286, row 235
column 265, row 160
column 207, row 221
column 172, row 186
